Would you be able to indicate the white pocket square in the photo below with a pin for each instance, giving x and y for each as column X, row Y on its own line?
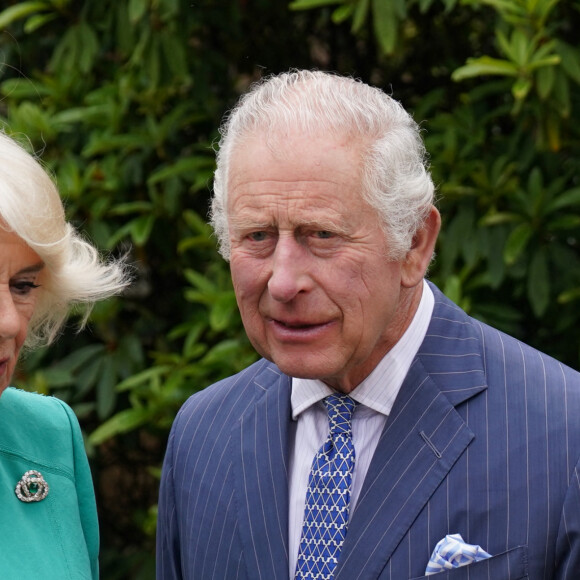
column 452, row 552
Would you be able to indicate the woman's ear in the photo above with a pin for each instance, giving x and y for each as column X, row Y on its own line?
column 417, row 260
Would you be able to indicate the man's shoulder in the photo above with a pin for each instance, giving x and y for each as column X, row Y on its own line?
column 232, row 395
column 453, row 332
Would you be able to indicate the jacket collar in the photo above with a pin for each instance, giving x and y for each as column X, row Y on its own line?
column 423, row 438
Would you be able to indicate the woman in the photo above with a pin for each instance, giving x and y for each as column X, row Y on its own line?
column 48, row 519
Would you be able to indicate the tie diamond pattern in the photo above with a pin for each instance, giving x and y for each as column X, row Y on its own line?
column 328, row 495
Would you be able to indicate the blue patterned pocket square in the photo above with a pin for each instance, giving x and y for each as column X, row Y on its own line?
column 452, row 552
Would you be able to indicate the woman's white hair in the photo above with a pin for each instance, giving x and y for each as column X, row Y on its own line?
column 395, row 176
column 74, row 273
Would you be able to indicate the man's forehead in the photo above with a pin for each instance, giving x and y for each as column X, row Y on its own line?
column 301, row 213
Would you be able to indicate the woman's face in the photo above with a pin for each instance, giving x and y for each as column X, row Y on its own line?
column 20, row 273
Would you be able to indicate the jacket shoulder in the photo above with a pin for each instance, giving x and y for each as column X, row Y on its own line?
column 35, row 425
column 224, row 402
column 455, row 341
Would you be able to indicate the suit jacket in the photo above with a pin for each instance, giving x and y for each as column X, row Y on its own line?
column 483, row 440
column 56, row 538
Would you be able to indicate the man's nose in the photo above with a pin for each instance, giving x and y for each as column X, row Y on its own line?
column 289, row 276
column 9, row 316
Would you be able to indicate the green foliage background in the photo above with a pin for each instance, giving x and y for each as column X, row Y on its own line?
column 122, row 99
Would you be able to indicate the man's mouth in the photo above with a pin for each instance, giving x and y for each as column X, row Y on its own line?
column 296, row 325
column 293, row 329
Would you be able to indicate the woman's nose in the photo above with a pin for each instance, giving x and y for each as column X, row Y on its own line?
column 9, row 316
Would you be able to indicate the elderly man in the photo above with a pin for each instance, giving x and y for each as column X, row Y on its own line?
column 385, row 434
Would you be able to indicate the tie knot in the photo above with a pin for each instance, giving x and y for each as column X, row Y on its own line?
column 340, row 409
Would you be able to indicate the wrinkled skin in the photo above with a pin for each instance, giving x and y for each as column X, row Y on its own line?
column 315, row 289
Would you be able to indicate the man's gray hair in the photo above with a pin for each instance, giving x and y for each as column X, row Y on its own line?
column 395, row 176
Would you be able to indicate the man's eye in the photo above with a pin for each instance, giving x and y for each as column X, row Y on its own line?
column 324, row 234
column 258, row 236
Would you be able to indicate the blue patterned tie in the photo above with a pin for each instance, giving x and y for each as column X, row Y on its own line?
column 328, row 495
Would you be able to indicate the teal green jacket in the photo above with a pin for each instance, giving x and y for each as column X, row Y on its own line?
column 56, row 538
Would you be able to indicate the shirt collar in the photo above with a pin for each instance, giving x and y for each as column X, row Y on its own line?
column 379, row 390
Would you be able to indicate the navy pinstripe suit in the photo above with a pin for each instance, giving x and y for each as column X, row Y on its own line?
column 483, row 440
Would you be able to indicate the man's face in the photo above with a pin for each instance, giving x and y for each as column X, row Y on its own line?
column 316, row 292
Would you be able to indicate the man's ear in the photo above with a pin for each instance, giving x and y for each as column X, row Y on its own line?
column 415, row 263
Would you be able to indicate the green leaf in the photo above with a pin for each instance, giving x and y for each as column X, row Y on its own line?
column 309, row 4
column 449, row 4
column 80, row 115
column 88, row 376
column 496, row 265
column 19, row 11
column 504, row 43
column 88, row 47
column 175, row 54
column 570, row 59
column 539, row 283
column 535, row 191
column 57, row 377
column 224, row 351
column 131, row 207
column 200, row 281
column 361, row 10
column 136, row 10
column 35, row 119
column 501, row 311
column 106, row 394
column 21, row 89
column 545, row 78
column 181, row 168
column 79, row 358
column 569, row 198
column 452, row 289
column 196, row 222
column 143, row 377
column 546, row 49
column 424, row 5
column 521, row 46
column 549, row 61
column 83, row 410
column 222, row 311
column 565, row 222
column 385, row 24
column 124, row 421
column 38, row 21
column 103, row 143
column 521, row 88
column 517, row 242
column 569, row 296
column 342, row 13
column 141, row 229
column 484, row 65
column 498, row 218
column 561, row 93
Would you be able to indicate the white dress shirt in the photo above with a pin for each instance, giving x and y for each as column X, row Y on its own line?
column 375, row 395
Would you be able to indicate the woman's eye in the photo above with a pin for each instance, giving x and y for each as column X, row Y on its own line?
column 23, row 288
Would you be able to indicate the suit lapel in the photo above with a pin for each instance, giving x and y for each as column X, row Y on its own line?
column 260, row 452
column 423, row 438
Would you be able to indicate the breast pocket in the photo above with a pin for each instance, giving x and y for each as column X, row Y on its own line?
column 510, row 565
